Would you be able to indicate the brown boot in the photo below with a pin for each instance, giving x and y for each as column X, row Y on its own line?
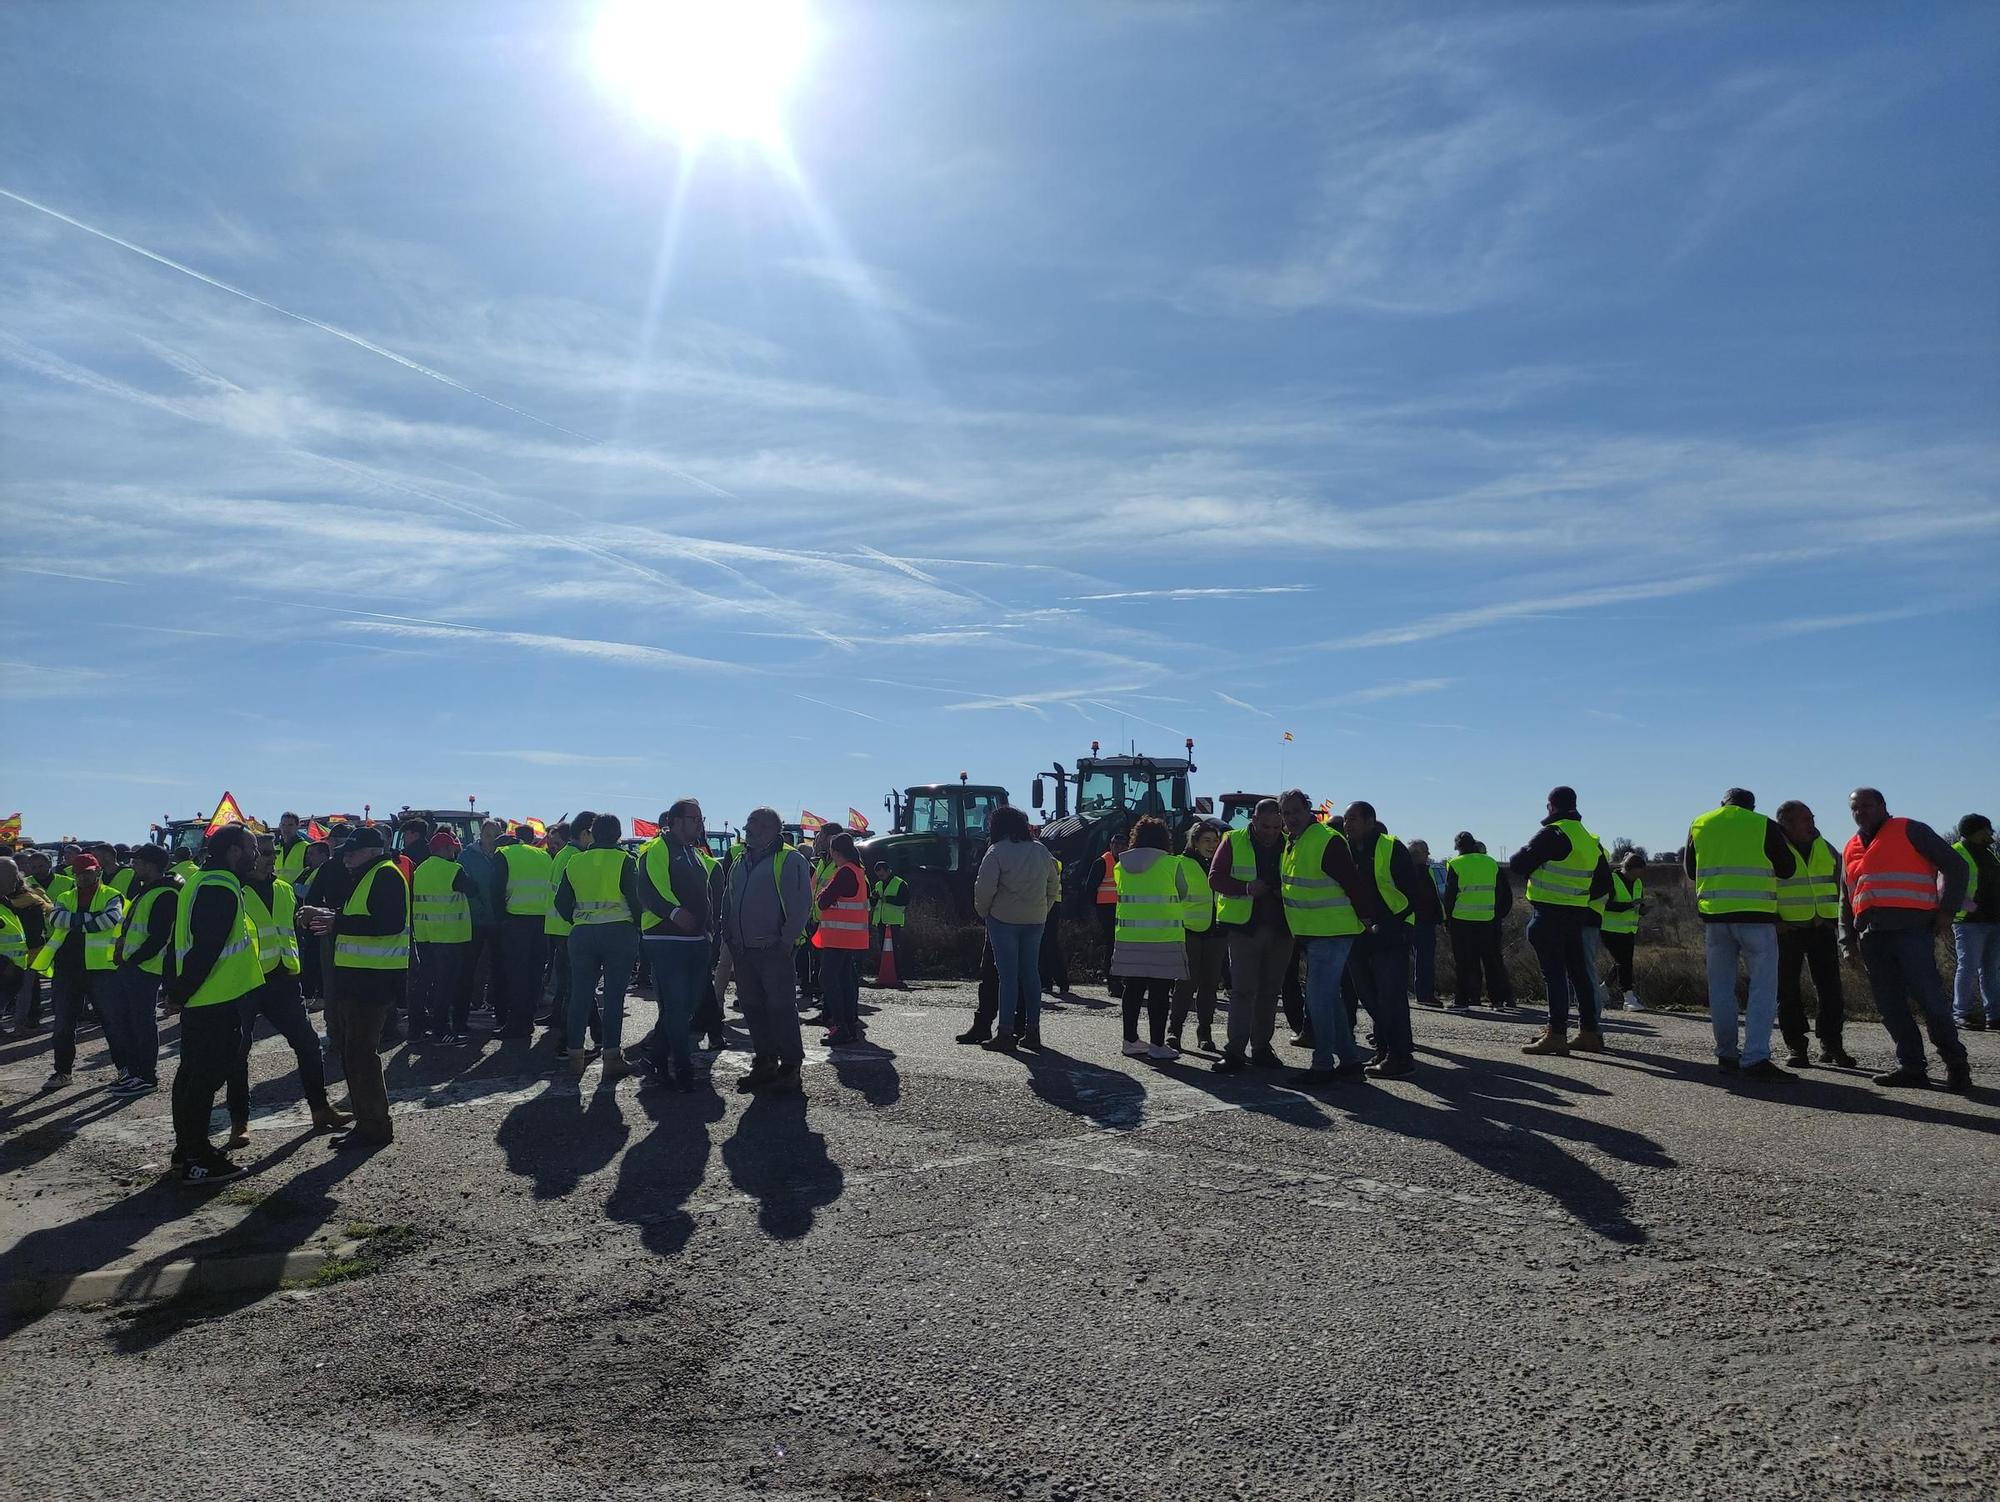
column 1548, row 1041
column 1587, row 1040
column 326, row 1119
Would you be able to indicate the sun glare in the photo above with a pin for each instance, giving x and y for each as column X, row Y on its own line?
column 705, row 67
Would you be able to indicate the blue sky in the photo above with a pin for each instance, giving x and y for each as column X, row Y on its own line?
column 1490, row 398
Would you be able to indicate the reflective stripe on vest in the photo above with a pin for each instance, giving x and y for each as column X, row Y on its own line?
column 1200, row 914
column 291, row 860
column 1621, row 913
column 374, row 951
column 439, row 912
column 237, row 971
column 1151, row 909
column 845, row 924
column 13, row 938
column 554, row 923
column 1732, row 874
column 1392, row 895
column 892, row 903
column 99, row 923
column 656, row 864
column 1888, row 871
column 1476, row 896
column 596, row 881
column 138, row 930
column 277, row 938
column 529, row 888
column 1971, row 881
column 1243, row 866
column 1813, row 890
column 1316, row 906
column 1566, row 883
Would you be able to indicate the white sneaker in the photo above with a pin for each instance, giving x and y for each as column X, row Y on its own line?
column 1136, row 1050
column 1160, row 1051
column 1632, row 1002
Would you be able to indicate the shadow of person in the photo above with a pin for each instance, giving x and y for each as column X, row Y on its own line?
column 777, row 1159
column 660, row 1172
column 1508, row 1119
column 870, row 1070
column 1249, row 1093
column 1109, row 1098
column 559, row 1135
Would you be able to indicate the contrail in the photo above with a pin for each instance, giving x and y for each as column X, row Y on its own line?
column 326, row 328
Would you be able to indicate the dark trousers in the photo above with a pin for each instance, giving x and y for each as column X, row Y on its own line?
column 1107, row 930
column 706, row 1021
column 1380, row 967
column 1054, row 963
column 475, row 975
column 1154, row 997
column 840, row 987
column 1903, row 976
column 1621, row 947
column 1206, row 952
column 1292, row 994
column 360, row 1032
column 1814, row 947
column 1476, row 954
column 438, row 997
column 1556, row 936
column 517, row 978
column 805, row 972
column 987, row 1012
column 75, row 994
column 209, row 1037
column 278, row 1002
column 310, row 985
column 558, row 951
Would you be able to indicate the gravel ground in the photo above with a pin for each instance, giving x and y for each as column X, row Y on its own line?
column 949, row 1274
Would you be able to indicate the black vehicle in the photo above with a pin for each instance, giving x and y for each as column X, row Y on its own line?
column 938, row 839
column 1112, row 793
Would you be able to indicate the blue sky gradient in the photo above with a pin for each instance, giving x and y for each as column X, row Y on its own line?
column 1490, row 398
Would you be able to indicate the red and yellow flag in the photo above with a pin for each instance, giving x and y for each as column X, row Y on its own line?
column 315, row 830
column 1288, row 735
column 856, row 820
column 10, row 827
column 809, row 821
column 645, row 829
column 226, row 812
column 541, row 830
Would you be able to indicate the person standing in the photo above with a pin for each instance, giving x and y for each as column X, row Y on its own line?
column 371, row 958
column 114, row 872
column 1207, row 945
column 1105, row 903
column 1380, row 961
column 891, row 912
column 1975, row 933
column 1900, row 885
column 479, row 978
column 1477, row 899
column 1053, row 961
column 144, row 944
column 77, row 957
column 1809, row 939
column 677, row 892
column 215, row 967
column 1149, row 954
column 312, row 978
column 24, row 909
column 842, row 939
column 522, row 871
column 273, row 907
column 1621, row 926
column 1426, row 916
column 1564, row 867
column 562, row 847
column 290, row 865
column 1017, row 887
column 442, row 894
column 1328, row 904
column 599, row 897
column 764, row 911
column 1735, row 859
column 1246, row 877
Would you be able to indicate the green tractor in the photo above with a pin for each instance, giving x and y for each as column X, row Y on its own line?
column 937, row 839
column 1111, row 793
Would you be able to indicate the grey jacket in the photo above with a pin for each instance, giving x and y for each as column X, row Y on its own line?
column 1017, row 882
column 759, row 912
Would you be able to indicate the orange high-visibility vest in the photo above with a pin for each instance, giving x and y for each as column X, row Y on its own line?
column 1107, row 884
column 845, row 924
column 1888, row 872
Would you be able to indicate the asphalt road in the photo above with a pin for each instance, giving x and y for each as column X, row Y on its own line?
column 948, row 1274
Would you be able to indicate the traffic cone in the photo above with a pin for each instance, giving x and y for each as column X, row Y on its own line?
column 885, row 970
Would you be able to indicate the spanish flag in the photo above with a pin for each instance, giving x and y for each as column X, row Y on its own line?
column 541, row 830
column 226, row 812
column 10, row 827
column 315, row 830
column 809, row 821
column 856, row 820
column 1288, row 735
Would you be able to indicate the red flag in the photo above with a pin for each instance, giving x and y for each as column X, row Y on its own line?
column 314, row 831
column 809, row 821
column 856, row 820
column 645, row 829
column 226, row 812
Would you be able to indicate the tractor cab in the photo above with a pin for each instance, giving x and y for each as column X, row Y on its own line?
column 183, row 838
column 1111, row 793
column 1238, row 807
column 462, row 822
column 937, row 838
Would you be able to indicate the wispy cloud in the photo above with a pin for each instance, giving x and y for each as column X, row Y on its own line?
column 871, row 287
column 1806, row 625
column 842, row 708
column 1408, row 688
column 1236, row 703
column 560, row 758
column 1209, row 592
column 1457, row 622
column 626, row 654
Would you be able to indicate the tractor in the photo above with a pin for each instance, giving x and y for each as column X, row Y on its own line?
column 463, row 822
column 937, row 839
column 1111, row 793
column 1238, row 807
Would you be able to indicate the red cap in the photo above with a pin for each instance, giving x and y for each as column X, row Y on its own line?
column 84, row 863
column 444, row 842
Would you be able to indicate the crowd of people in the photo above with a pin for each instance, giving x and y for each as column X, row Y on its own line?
column 400, row 932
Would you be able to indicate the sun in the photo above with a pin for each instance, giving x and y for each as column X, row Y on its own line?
column 705, row 67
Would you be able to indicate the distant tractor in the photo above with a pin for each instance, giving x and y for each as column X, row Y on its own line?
column 937, row 841
column 462, row 822
column 1238, row 807
column 1112, row 793
column 183, row 838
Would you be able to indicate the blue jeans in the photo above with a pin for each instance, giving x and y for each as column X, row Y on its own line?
column 840, row 987
column 1593, row 963
column 1017, row 956
column 1977, row 946
column 680, row 976
column 1423, row 961
column 1333, row 1032
column 1380, row 965
column 610, row 949
column 1556, row 936
column 1757, row 946
column 1902, row 969
column 131, row 1029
